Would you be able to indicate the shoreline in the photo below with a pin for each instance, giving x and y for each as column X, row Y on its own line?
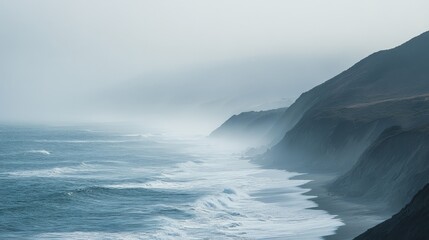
column 357, row 217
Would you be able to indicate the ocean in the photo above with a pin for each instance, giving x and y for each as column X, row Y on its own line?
column 74, row 182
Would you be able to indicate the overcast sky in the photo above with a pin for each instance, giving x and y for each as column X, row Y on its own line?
column 209, row 54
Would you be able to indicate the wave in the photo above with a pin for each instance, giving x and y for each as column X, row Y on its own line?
column 223, row 202
column 242, row 201
column 41, row 151
column 156, row 184
column 212, row 194
column 82, row 141
column 53, row 172
column 170, row 234
column 92, row 235
column 44, row 152
column 144, row 135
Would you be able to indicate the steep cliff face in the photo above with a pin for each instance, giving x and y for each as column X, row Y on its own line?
column 394, row 73
column 412, row 222
column 333, row 139
column 332, row 124
column 251, row 127
column 391, row 170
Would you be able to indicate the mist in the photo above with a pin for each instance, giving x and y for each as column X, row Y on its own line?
column 183, row 64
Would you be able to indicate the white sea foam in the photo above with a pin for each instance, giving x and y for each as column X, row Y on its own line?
column 91, row 236
column 239, row 201
column 242, row 201
column 54, row 172
column 82, row 141
column 51, row 172
column 144, row 135
column 157, row 184
column 44, row 152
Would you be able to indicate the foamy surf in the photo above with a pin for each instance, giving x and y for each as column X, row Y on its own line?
column 233, row 207
column 241, row 200
column 143, row 135
column 44, row 152
column 112, row 186
column 55, row 171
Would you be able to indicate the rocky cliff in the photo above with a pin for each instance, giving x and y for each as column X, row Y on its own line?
column 252, row 127
column 412, row 222
column 391, row 170
column 330, row 126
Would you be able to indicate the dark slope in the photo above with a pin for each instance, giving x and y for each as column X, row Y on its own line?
column 251, row 127
column 333, row 139
column 393, row 73
column 332, row 124
column 391, row 170
column 412, row 222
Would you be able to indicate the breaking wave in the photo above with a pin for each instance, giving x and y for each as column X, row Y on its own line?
column 44, row 152
column 168, row 189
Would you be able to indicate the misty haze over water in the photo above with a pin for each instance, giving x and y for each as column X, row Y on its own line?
column 228, row 119
column 192, row 61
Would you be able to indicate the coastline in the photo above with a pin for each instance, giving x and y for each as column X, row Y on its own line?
column 357, row 217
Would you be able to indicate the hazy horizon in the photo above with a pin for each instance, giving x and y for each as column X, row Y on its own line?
column 170, row 62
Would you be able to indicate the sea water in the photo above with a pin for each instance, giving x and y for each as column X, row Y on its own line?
column 93, row 183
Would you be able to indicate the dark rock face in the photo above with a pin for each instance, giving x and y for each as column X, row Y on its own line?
column 330, row 126
column 391, row 170
column 333, row 139
column 249, row 126
column 412, row 222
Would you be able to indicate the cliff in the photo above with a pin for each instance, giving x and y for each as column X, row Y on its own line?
column 330, row 126
column 391, row 170
column 412, row 222
column 251, row 127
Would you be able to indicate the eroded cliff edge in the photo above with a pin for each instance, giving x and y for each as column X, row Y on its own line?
column 412, row 222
